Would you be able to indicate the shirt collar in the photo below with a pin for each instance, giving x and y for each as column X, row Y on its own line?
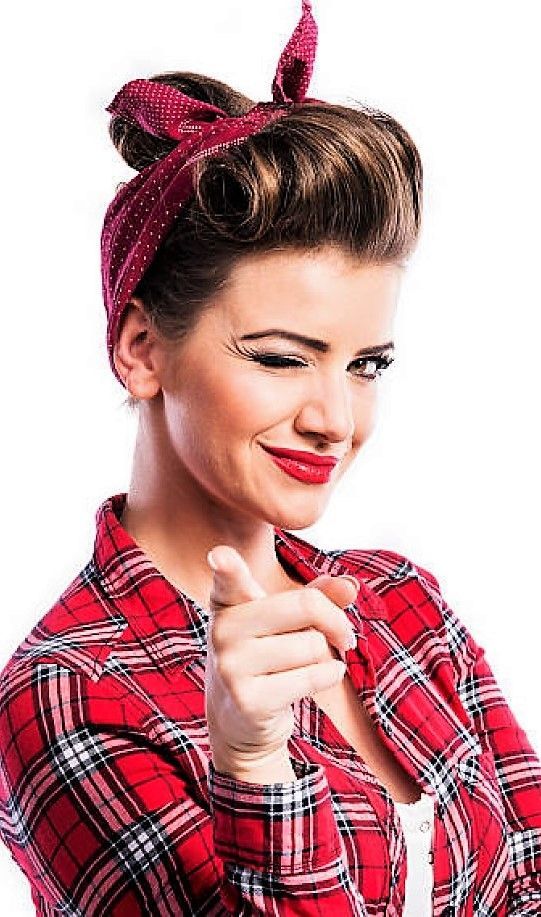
column 139, row 589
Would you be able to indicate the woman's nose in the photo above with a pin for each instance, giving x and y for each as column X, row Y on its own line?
column 329, row 410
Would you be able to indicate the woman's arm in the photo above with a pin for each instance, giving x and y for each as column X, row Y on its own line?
column 103, row 822
column 517, row 765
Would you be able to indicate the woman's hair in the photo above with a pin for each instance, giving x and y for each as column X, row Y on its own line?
column 322, row 174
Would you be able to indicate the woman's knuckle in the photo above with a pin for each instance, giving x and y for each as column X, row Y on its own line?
column 225, row 666
column 227, row 635
column 312, row 602
column 316, row 641
column 320, row 606
column 244, row 699
column 303, row 600
column 215, row 637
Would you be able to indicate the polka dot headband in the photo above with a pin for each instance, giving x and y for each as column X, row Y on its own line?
column 143, row 209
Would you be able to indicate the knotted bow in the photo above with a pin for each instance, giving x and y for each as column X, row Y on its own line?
column 165, row 111
column 143, row 210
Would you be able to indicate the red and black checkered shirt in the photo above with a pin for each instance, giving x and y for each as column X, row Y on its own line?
column 110, row 804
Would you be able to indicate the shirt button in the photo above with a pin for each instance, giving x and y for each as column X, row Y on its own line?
column 430, row 857
column 424, row 826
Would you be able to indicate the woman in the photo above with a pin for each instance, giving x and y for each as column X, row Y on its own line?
column 178, row 733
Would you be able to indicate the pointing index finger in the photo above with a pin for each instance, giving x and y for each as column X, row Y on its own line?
column 233, row 582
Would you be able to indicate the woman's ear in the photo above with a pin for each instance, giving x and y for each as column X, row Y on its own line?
column 135, row 353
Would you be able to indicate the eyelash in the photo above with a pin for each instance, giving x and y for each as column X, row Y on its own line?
column 278, row 361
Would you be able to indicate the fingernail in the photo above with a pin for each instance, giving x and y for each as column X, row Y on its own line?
column 355, row 582
column 352, row 640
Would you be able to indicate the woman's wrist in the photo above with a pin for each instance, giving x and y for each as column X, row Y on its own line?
column 274, row 769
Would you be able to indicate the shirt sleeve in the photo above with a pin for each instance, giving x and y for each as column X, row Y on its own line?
column 517, row 766
column 104, row 822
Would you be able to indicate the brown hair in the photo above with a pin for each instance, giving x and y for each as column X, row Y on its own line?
column 322, row 174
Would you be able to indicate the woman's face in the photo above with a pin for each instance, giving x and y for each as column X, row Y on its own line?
column 222, row 405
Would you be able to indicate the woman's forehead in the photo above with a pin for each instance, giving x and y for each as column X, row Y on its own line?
column 291, row 291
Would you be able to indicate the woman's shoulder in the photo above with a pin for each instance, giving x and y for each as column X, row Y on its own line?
column 383, row 566
column 396, row 581
column 76, row 631
column 390, row 581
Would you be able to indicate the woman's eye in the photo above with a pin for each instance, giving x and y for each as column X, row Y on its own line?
column 274, row 359
column 370, row 366
column 376, row 365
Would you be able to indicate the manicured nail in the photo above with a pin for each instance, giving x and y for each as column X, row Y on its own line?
column 352, row 640
column 352, row 580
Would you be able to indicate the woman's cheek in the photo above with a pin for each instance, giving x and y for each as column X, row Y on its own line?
column 259, row 400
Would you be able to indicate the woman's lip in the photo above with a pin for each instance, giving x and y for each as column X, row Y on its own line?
column 308, row 458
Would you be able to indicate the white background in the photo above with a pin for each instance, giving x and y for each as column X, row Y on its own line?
column 448, row 476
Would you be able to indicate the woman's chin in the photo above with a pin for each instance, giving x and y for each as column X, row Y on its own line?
column 301, row 517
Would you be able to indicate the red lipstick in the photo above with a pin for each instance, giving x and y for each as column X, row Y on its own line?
column 304, row 466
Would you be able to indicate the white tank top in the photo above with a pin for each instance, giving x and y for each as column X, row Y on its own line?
column 417, row 819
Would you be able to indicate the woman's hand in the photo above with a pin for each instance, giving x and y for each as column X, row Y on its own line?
column 264, row 652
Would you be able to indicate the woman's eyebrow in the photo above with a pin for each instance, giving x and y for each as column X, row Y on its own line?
column 313, row 343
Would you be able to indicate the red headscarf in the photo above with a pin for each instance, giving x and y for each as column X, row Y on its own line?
column 142, row 211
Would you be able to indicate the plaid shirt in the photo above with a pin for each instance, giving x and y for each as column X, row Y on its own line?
column 110, row 804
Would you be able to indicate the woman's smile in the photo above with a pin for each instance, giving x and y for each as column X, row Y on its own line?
column 308, row 473
column 307, row 458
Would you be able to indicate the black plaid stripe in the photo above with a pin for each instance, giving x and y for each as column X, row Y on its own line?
column 78, row 753
column 142, row 844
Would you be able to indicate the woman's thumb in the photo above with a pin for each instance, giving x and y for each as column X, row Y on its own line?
column 341, row 589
